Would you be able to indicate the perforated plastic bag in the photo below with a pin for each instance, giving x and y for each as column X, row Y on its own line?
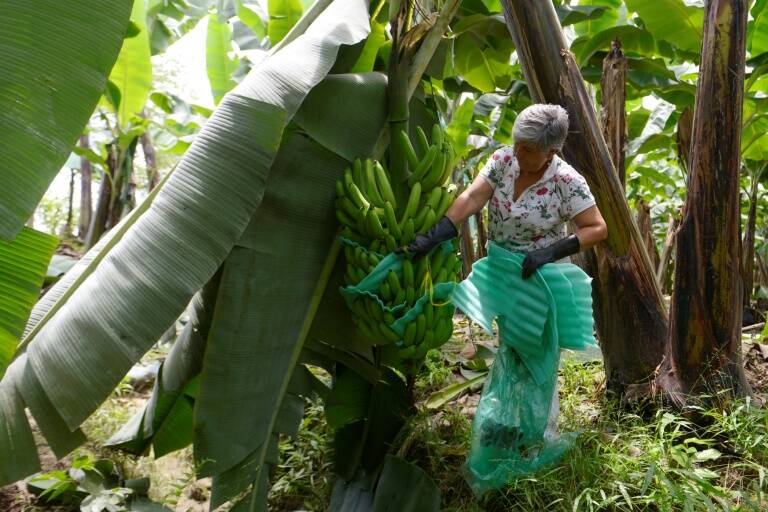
column 536, row 318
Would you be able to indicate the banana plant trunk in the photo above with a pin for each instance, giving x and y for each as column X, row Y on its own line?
column 748, row 245
column 629, row 310
column 614, row 111
column 85, row 192
column 704, row 346
column 100, row 217
column 645, row 224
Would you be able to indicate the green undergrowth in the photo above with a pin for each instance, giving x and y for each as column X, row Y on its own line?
column 621, row 460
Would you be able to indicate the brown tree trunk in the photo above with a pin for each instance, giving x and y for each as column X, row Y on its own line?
column 467, row 249
column 645, row 225
column 684, row 134
column 662, row 272
column 482, row 236
column 66, row 230
column 613, row 113
column 704, row 347
column 629, row 310
column 100, row 217
column 748, row 244
column 150, row 157
column 85, row 192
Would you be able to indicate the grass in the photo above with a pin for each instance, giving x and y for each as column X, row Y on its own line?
column 621, row 460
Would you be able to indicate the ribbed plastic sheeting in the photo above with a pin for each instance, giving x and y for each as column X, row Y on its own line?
column 536, row 318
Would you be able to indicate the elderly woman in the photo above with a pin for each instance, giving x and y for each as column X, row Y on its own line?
column 533, row 193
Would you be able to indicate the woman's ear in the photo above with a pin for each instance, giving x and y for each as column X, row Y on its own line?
column 551, row 153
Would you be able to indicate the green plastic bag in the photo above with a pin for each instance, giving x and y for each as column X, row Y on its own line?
column 536, row 318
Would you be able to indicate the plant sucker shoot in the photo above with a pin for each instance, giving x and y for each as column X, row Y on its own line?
column 376, row 224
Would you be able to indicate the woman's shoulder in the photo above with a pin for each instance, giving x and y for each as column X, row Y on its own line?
column 565, row 173
column 504, row 154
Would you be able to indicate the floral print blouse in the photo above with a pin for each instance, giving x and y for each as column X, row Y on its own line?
column 538, row 217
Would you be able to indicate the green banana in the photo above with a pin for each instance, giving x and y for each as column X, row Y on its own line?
column 390, row 242
column 390, row 335
column 408, row 281
column 342, row 216
column 375, row 225
column 365, row 330
column 410, row 153
column 371, row 188
column 425, row 165
column 429, row 339
column 437, row 135
column 418, row 220
column 432, row 177
column 407, row 352
column 385, row 187
column 429, row 221
column 348, row 233
column 348, row 206
column 412, row 204
column 385, row 291
column 422, row 144
column 340, row 189
column 442, row 276
column 375, row 246
column 400, row 297
column 373, row 260
column 357, row 197
column 445, row 202
column 349, row 276
column 410, row 295
column 436, row 264
column 421, row 325
column 391, row 220
column 410, row 334
column 429, row 313
column 433, row 201
column 357, row 173
column 408, row 232
column 389, row 318
column 394, row 282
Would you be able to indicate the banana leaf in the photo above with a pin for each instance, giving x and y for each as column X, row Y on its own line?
column 23, row 265
column 401, row 486
column 119, row 307
column 56, row 59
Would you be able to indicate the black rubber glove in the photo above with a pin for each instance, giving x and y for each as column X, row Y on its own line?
column 551, row 253
column 443, row 230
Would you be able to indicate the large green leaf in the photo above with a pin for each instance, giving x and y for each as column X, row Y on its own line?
column 609, row 17
column 219, row 64
column 757, row 32
column 672, row 21
column 23, row 265
column 283, row 15
column 55, row 60
column 132, row 73
column 632, row 39
column 484, row 69
column 152, row 267
column 254, row 346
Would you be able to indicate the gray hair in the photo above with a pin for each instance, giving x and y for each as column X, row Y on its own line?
column 541, row 124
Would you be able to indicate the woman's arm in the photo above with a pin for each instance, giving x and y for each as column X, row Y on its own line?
column 469, row 202
column 590, row 227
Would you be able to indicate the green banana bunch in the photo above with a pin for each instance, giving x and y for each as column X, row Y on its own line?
column 371, row 216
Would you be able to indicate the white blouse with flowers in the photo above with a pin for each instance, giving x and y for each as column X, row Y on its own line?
column 538, row 217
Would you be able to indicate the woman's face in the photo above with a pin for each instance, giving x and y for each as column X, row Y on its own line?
column 530, row 158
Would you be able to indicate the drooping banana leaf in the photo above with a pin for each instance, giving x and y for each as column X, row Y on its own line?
column 401, row 486
column 55, row 60
column 219, row 65
column 23, row 265
column 151, row 270
column 267, row 300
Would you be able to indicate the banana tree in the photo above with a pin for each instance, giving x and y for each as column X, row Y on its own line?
column 180, row 226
